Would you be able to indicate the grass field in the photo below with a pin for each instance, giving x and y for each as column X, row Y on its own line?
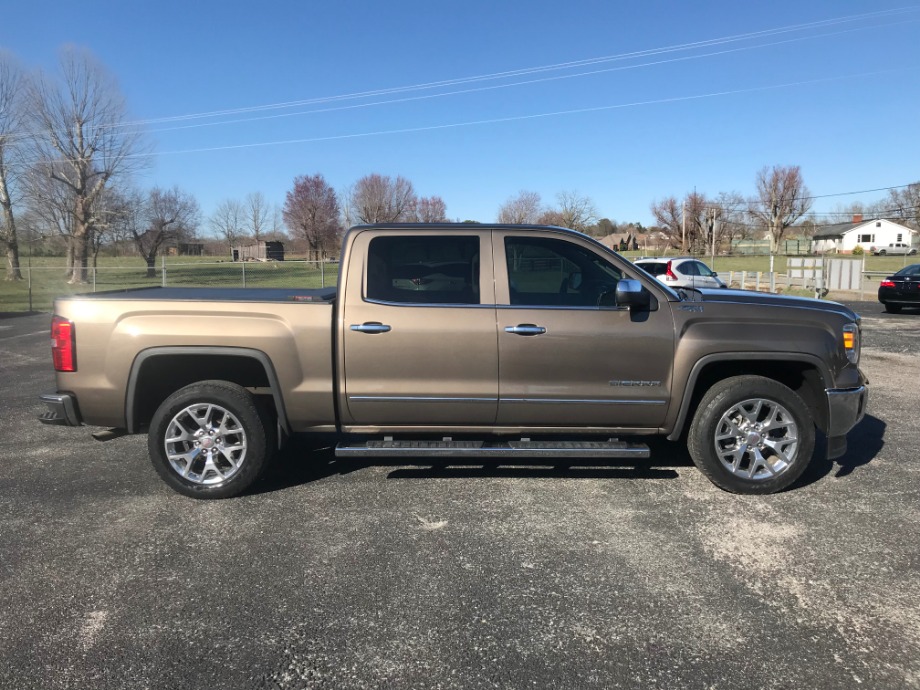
column 49, row 280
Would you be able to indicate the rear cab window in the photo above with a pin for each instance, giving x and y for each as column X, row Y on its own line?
column 423, row 269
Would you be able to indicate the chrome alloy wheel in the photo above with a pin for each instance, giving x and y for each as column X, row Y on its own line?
column 205, row 444
column 757, row 439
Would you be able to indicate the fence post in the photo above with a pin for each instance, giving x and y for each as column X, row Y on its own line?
column 163, row 269
column 94, row 278
column 743, row 279
column 243, row 264
column 322, row 273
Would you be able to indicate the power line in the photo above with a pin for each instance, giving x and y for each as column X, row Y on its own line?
column 516, row 118
column 503, row 86
column 533, row 70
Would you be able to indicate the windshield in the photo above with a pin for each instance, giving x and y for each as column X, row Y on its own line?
column 912, row 270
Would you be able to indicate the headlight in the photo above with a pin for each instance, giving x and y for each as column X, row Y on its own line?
column 851, row 342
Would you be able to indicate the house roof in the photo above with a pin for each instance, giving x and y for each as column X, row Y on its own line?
column 838, row 230
column 834, row 232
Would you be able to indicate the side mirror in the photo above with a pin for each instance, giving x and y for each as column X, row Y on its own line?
column 630, row 293
column 714, row 274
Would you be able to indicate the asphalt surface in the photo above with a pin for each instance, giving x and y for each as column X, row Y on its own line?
column 342, row 575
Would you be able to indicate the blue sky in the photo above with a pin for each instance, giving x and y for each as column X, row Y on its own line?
column 840, row 99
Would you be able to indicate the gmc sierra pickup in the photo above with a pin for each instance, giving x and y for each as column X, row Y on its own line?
column 462, row 341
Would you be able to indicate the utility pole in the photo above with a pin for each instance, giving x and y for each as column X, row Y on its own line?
column 715, row 225
column 683, row 227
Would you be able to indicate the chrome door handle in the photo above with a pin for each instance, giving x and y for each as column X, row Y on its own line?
column 370, row 327
column 525, row 329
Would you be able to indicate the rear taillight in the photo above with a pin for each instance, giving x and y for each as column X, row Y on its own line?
column 63, row 344
column 886, row 283
column 669, row 274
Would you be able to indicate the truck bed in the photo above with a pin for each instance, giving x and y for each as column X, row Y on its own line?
column 324, row 295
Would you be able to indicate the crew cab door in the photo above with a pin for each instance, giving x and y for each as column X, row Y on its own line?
column 418, row 331
column 565, row 361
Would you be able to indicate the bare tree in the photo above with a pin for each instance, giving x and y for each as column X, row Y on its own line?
column 551, row 216
column 382, row 199
column 228, row 221
column 167, row 215
column 576, row 211
column 904, row 204
column 782, row 198
column 524, row 208
column 12, row 116
column 257, row 214
column 82, row 127
column 726, row 218
column 276, row 230
column 50, row 203
column 311, row 211
column 684, row 222
column 430, row 209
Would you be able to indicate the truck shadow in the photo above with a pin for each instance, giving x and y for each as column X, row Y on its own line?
column 865, row 442
column 309, row 458
column 305, row 460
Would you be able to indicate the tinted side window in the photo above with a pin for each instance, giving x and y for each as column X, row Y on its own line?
column 544, row 271
column 431, row 269
column 688, row 268
column 656, row 268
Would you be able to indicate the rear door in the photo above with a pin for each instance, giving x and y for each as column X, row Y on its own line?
column 567, row 356
column 418, row 336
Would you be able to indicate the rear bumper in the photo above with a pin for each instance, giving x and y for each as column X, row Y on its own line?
column 62, row 409
column 846, row 408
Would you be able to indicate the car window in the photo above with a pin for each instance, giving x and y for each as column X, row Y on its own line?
column 544, row 271
column 655, row 268
column 688, row 268
column 423, row 269
column 913, row 270
column 702, row 269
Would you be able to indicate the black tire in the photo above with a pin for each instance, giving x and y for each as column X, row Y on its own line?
column 882, row 252
column 238, row 436
column 791, row 420
column 911, row 252
column 893, row 308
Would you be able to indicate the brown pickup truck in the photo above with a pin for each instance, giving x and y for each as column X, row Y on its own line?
column 462, row 341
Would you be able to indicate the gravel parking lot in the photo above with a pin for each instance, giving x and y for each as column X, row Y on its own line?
column 343, row 575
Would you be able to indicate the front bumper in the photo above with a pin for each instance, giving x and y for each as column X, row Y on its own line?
column 846, row 407
column 62, row 409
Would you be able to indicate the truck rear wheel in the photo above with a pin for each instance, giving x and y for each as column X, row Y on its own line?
column 210, row 440
column 751, row 435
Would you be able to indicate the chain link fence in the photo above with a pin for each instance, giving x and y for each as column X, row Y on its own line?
column 41, row 284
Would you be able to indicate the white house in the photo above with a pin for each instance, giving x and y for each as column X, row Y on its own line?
column 845, row 237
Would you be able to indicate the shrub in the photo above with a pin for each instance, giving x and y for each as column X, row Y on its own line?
column 858, row 250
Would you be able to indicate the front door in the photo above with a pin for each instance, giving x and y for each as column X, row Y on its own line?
column 567, row 355
column 419, row 330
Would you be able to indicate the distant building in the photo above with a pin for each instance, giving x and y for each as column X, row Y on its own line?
column 185, row 249
column 843, row 238
column 259, row 251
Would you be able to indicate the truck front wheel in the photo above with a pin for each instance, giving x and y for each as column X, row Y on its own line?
column 210, row 440
column 751, row 435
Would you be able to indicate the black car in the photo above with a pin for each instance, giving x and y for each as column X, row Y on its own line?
column 901, row 290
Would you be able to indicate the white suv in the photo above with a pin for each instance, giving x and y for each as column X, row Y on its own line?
column 678, row 272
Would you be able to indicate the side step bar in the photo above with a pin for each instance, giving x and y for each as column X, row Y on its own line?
column 524, row 448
